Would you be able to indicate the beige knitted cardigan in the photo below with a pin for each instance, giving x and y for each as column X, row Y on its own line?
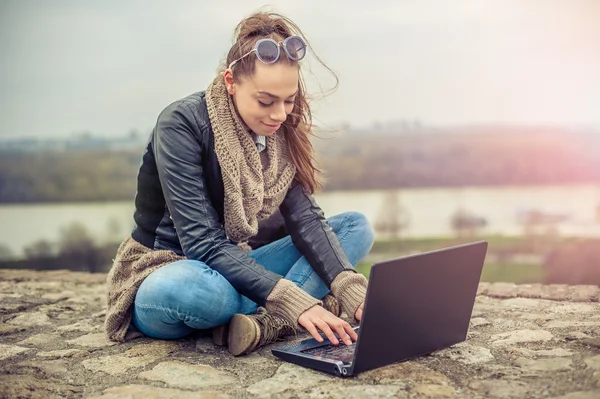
column 133, row 263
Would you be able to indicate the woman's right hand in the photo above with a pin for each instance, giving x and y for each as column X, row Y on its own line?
column 318, row 318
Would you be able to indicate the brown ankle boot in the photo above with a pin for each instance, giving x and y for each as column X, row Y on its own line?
column 331, row 304
column 248, row 333
column 219, row 334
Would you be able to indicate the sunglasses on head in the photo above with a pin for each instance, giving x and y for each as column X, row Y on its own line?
column 267, row 50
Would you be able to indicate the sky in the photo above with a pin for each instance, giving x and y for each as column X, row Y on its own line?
column 108, row 67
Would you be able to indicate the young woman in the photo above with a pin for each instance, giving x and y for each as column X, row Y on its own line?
column 228, row 235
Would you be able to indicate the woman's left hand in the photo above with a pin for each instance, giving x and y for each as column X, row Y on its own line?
column 359, row 312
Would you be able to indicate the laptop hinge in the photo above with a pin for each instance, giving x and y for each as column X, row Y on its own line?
column 346, row 369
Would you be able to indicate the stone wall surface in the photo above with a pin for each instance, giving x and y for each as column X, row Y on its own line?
column 525, row 341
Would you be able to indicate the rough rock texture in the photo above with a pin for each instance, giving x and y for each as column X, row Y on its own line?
column 528, row 341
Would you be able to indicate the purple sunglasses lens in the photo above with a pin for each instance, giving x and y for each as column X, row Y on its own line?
column 268, row 51
column 296, row 48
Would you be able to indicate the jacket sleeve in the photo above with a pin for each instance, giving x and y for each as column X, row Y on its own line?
column 311, row 234
column 178, row 159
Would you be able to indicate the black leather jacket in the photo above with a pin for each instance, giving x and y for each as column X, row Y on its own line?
column 179, row 207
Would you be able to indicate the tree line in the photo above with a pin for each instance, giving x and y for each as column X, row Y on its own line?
column 510, row 157
column 349, row 161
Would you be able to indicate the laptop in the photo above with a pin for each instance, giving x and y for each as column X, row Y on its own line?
column 415, row 305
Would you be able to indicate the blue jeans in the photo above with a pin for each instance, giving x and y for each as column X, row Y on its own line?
column 186, row 295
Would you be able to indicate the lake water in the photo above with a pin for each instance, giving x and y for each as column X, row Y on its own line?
column 427, row 212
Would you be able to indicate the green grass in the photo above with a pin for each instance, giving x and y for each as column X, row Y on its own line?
column 519, row 273
column 363, row 268
column 496, row 243
column 502, row 269
column 426, row 244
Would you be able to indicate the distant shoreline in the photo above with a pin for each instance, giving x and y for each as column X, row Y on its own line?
column 332, row 191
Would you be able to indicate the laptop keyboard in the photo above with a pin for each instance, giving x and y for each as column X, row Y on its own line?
column 341, row 352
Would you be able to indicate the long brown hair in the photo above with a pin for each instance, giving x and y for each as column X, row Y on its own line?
column 298, row 124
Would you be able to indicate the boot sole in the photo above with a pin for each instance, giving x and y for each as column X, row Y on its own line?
column 244, row 335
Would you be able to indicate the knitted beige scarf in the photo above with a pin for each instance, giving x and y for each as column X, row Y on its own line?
column 255, row 185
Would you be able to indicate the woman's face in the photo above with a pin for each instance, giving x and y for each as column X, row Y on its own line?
column 265, row 99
